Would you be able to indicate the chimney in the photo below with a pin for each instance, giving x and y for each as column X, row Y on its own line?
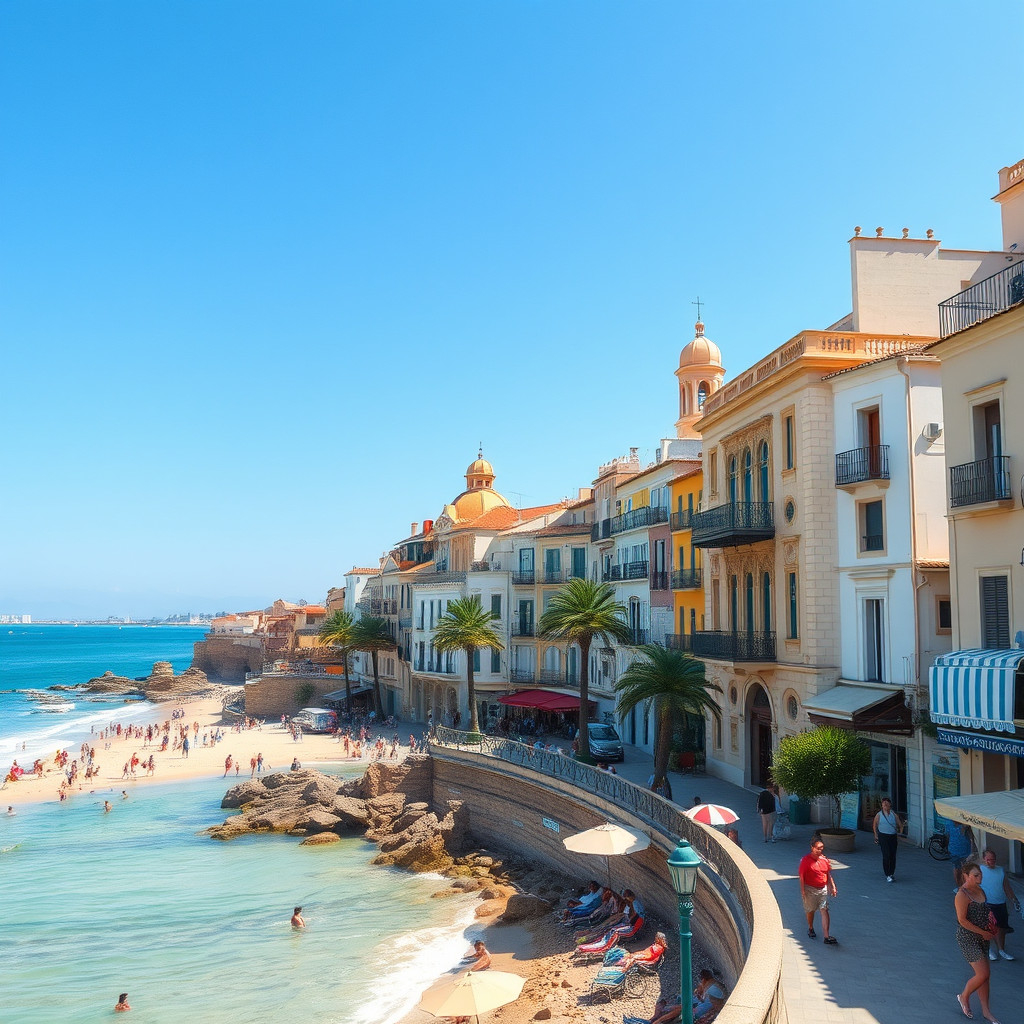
column 412, row 529
column 428, row 525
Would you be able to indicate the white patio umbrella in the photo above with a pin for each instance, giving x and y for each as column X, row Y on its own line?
column 712, row 814
column 474, row 992
column 607, row 840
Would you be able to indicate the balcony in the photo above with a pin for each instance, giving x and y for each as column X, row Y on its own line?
column 862, row 464
column 556, row 677
column 554, row 576
column 687, row 579
column 521, row 628
column 625, row 571
column 659, row 581
column 678, row 641
column 523, row 675
column 982, row 300
column 638, row 637
column 977, row 482
column 728, row 526
column 524, row 578
column 634, row 519
column 680, row 520
column 405, row 622
column 726, row 646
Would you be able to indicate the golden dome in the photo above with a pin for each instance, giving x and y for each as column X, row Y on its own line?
column 475, row 502
column 480, row 467
column 701, row 351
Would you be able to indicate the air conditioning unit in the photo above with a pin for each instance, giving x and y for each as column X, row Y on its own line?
column 932, row 431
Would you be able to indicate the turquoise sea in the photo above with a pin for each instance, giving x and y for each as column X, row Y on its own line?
column 137, row 900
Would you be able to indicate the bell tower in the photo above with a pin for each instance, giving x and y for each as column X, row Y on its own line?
column 700, row 375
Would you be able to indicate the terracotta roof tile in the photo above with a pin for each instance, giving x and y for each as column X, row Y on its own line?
column 503, row 517
column 565, row 530
column 363, row 572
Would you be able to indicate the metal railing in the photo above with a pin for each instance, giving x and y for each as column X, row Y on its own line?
column 634, row 519
column 523, row 675
column 873, row 542
column 659, row 581
column 638, row 637
column 738, row 522
column 523, row 577
column 521, row 628
column 976, row 482
column 687, row 579
column 556, row 677
column 554, row 576
column 680, row 520
column 739, row 646
column 678, row 641
column 982, row 300
column 859, row 464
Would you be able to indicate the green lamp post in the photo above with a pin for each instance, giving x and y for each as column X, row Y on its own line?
column 683, row 865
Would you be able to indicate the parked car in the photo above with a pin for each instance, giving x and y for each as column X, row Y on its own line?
column 605, row 744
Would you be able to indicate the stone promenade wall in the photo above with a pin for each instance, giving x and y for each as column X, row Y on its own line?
column 276, row 695
column 736, row 918
column 225, row 658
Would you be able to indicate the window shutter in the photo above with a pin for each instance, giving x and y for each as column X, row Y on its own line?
column 995, row 612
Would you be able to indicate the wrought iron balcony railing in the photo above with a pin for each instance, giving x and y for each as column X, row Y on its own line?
column 739, row 522
column 523, row 675
column 977, row 482
column 523, row 628
column 687, row 579
column 659, row 581
column 524, row 577
column 679, row 641
column 860, row 464
column 680, row 520
column 637, row 637
column 634, row 519
column 982, row 300
column 738, row 646
column 634, row 570
column 554, row 576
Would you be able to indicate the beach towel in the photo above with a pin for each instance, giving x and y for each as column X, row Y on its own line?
column 610, row 976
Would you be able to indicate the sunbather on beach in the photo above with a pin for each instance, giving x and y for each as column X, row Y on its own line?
column 586, row 905
column 708, row 998
column 649, row 955
column 480, row 956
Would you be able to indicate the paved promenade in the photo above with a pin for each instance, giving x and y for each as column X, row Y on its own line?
column 897, row 961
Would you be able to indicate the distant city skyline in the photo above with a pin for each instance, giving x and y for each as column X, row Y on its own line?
column 270, row 279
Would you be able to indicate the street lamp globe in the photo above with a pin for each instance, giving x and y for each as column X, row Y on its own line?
column 683, row 865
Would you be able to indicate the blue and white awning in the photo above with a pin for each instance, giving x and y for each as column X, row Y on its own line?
column 974, row 688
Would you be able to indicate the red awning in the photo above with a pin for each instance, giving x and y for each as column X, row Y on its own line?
column 543, row 700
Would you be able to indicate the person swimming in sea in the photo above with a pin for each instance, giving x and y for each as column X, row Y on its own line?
column 122, row 1003
column 297, row 921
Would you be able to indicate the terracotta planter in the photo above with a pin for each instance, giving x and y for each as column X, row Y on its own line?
column 838, row 840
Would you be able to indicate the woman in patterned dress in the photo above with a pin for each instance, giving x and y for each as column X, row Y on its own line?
column 972, row 936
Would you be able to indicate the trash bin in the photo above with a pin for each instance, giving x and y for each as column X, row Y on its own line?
column 799, row 811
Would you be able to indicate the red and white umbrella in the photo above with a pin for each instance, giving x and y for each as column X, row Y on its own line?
column 712, row 814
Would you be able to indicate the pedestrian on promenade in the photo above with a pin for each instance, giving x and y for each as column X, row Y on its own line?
column 816, row 885
column 766, row 808
column 972, row 936
column 962, row 848
column 998, row 893
column 887, row 827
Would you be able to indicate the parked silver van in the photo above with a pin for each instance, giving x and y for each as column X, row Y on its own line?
column 605, row 744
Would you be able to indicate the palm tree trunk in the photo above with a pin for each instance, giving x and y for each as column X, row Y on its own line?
column 348, row 684
column 474, row 722
column 662, row 746
column 583, row 736
column 376, row 687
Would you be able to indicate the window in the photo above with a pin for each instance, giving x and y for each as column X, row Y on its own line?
column 579, row 563
column 526, row 559
column 702, row 393
column 476, row 659
column 988, row 431
column 872, row 535
column 733, row 482
column 713, row 473
column 766, row 602
column 552, row 563
column 874, row 642
column 748, row 594
column 495, row 661
column 764, row 492
column 995, row 612
column 496, row 605
column 789, row 440
column 943, row 615
column 734, row 610
column 793, row 625
column 748, row 477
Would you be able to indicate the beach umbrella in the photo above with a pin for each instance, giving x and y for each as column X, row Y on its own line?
column 607, row 840
column 712, row 814
column 474, row 993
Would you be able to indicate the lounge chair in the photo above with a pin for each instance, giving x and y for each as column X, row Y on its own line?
column 610, row 938
column 632, row 981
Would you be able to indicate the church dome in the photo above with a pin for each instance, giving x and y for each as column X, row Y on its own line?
column 476, row 501
column 480, row 467
column 701, row 351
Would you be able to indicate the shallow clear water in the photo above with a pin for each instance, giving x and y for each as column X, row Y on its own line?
column 95, row 904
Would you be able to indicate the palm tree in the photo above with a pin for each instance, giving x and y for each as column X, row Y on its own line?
column 465, row 626
column 580, row 611
column 339, row 631
column 676, row 683
column 373, row 635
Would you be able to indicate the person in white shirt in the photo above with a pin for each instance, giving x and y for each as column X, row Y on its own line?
column 998, row 893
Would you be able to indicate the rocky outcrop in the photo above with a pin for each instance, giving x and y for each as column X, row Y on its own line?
column 162, row 684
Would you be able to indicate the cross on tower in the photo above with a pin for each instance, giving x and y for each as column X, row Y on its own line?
column 698, row 304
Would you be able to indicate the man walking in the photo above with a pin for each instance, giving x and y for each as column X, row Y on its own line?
column 816, row 885
column 998, row 892
column 766, row 808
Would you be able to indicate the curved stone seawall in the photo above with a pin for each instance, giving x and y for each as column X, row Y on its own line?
column 529, row 810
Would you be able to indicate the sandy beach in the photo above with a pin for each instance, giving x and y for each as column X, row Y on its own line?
column 271, row 740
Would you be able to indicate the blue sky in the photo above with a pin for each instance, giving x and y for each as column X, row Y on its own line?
column 270, row 271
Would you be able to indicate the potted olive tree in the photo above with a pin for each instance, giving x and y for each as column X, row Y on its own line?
column 823, row 762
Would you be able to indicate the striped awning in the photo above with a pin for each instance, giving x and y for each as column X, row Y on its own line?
column 974, row 688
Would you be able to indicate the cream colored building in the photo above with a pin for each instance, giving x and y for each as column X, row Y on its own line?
column 977, row 693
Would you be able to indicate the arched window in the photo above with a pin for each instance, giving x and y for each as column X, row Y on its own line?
column 684, row 399
column 763, row 468
column 766, row 602
column 748, row 587
column 733, row 470
column 748, row 477
column 702, row 393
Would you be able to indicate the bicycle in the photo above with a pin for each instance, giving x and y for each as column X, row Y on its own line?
column 938, row 846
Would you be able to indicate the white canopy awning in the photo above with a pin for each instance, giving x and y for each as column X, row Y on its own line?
column 975, row 688
column 1002, row 813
